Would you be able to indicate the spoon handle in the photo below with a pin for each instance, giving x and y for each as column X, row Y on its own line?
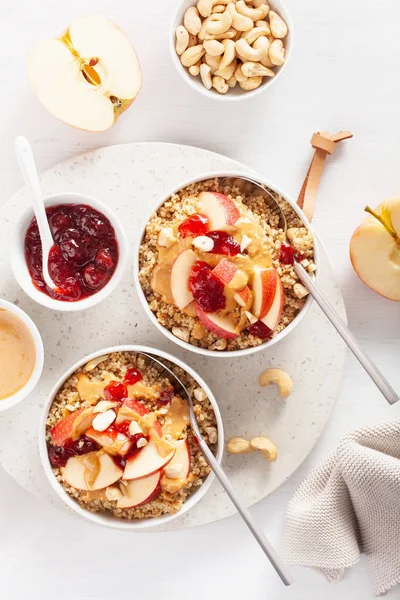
column 26, row 163
column 380, row 381
column 277, row 563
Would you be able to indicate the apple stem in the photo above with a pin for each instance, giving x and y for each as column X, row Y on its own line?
column 387, row 226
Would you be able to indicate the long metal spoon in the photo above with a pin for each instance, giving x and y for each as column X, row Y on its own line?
column 248, row 185
column 26, row 163
column 242, row 509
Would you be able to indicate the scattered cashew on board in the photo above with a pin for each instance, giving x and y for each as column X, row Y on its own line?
column 280, row 378
column 261, row 444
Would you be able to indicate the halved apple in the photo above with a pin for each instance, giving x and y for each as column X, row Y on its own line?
column 180, row 274
column 75, row 472
column 375, row 249
column 221, row 211
column 140, row 491
column 88, row 76
column 223, row 327
column 264, row 285
column 146, row 462
column 274, row 314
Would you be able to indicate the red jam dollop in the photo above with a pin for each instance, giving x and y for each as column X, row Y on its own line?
column 84, row 256
column 286, row 255
column 132, row 376
column 115, row 390
column 192, row 226
column 259, row 329
column 59, row 455
column 223, row 243
column 207, row 289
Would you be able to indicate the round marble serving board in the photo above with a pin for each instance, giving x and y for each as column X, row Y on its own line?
column 131, row 178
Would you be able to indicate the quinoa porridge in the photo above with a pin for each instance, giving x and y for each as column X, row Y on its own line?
column 119, row 439
column 217, row 271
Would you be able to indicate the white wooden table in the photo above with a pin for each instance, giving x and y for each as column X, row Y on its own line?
column 343, row 74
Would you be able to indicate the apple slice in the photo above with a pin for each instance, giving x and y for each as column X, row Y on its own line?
column 75, row 472
column 223, row 327
column 179, row 466
column 273, row 316
column 221, row 211
column 180, row 274
column 113, row 441
column 72, row 426
column 264, row 285
column 375, row 249
column 244, row 298
column 88, row 76
column 146, row 462
column 140, row 491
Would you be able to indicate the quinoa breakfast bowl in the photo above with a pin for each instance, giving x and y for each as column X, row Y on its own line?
column 116, row 443
column 214, row 271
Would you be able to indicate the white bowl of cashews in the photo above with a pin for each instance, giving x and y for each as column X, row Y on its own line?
column 231, row 49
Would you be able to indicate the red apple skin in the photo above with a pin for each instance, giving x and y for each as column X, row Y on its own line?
column 62, row 431
column 221, row 211
column 264, row 289
column 225, row 271
column 180, row 274
column 136, row 406
column 244, row 297
column 159, row 466
column 275, row 312
column 208, row 320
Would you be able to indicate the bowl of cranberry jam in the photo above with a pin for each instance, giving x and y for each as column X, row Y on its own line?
column 84, row 256
column 87, row 260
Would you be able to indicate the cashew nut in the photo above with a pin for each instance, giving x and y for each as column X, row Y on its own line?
column 255, row 14
column 205, row 74
column 218, row 23
column 239, row 22
column 266, row 62
column 192, row 55
column 251, row 83
column 228, row 71
column 253, row 69
column 252, row 35
column 212, row 434
column 277, row 53
column 182, row 333
column 300, row 291
column 280, row 378
column 205, row 6
column 247, row 53
column 195, row 69
column 261, row 24
column 277, row 25
column 182, row 39
column 266, row 447
column 258, row 3
column 229, row 54
column 240, row 77
column 262, row 43
column 237, row 445
column 232, row 83
column 219, row 8
column 212, row 62
column 222, row 343
column 221, row 86
column 192, row 20
column 214, row 47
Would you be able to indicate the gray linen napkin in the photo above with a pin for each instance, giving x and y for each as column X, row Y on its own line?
column 350, row 505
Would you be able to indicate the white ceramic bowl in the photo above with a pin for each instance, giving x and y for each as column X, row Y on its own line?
column 38, row 368
column 20, row 268
column 235, row 93
column 110, row 521
column 229, row 353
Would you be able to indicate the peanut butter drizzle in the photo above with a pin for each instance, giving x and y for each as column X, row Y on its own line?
column 176, row 419
column 91, row 390
column 140, row 390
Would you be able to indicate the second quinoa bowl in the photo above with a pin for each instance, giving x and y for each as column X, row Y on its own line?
column 214, row 271
column 116, row 443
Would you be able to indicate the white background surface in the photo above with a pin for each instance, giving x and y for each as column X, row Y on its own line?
column 343, row 74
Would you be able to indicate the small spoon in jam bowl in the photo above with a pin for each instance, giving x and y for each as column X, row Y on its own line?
column 27, row 165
